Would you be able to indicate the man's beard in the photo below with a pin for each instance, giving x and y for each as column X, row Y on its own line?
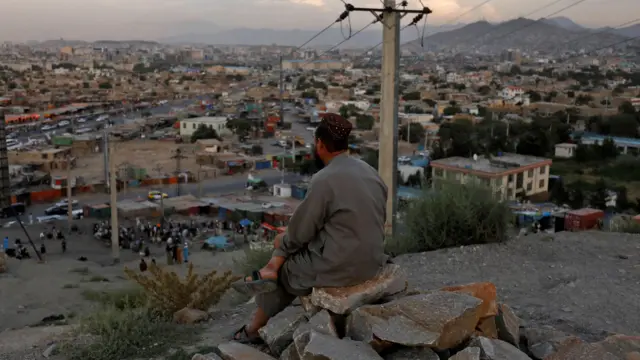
column 319, row 164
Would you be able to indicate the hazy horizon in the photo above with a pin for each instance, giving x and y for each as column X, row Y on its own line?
column 40, row 20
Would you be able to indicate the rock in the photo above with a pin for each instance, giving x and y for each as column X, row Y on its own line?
column 579, row 350
column 621, row 345
column 508, row 325
column 320, row 322
column 190, row 316
column 343, row 300
column 237, row 351
column 484, row 291
column 417, row 353
column 278, row 333
column 3, row 262
column 206, row 357
column 440, row 320
column 544, row 341
column 470, row 353
column 327, row 347
column 487, row 328
column 311, row 309
column 495, row 349
column 290, row 353
column 49, row 350
column 632, row 356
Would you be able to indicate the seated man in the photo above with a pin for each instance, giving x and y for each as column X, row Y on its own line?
column 335, row 237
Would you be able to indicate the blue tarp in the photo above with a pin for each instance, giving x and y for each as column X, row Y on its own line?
column 219, row 242
column 245, row 222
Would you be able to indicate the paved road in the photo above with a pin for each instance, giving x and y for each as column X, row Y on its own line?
column 222, row 185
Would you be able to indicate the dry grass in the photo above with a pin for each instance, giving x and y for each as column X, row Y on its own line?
column 168, row 293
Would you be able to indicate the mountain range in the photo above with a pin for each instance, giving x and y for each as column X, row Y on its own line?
column 542, row 35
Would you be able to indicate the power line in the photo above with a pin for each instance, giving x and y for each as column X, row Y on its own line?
column 344, row 41
column 344, row 15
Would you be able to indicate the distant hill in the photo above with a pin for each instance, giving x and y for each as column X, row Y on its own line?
column 630, row 31
column 521, row 33
column 565, row 23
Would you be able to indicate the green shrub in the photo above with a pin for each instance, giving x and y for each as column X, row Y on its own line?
column 452, row 215
column 130, row 333
column 253, row 260
column 127, row 298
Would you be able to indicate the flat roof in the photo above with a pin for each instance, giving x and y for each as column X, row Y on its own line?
column 495, row 165
column 206, row 118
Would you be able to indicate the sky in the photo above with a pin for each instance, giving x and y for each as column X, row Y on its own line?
column 22, row 20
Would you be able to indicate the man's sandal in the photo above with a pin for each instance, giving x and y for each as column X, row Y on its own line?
column 255, row 286
column 241, row 336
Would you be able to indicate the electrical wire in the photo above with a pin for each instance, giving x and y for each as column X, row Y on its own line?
column 344, row 15
column 345, row 40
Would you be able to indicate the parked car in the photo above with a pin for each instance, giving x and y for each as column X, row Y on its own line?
column 156, row 195
column 9, row 211
column 59, row 210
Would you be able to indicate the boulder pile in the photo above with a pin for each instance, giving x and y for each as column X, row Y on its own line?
column 382, row 320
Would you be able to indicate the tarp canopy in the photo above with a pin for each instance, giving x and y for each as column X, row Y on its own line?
column 245, row 222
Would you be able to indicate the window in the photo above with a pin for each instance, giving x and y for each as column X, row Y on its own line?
column 193, row 126
column 542, row 184
column 544, row 169
column 511, row 178
column 530, row 173
column 184, row 125
column 529, row 186
column 498, row 181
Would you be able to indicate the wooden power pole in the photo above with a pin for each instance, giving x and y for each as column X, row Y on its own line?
column 113, row 192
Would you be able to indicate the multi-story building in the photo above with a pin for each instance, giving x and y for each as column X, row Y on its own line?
column 189, row 126
column 511, row 176
column 314, row 65
column 511, row 92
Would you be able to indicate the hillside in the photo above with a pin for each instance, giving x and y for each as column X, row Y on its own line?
column 521, row 33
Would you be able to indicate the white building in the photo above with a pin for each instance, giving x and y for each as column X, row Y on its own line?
column 453, row 78
column 565, row 150
column 189, row 126
column 510, row 92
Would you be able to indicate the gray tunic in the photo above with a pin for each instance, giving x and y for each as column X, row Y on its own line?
column 336, row 235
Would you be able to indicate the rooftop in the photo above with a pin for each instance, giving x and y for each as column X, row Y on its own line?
column 494, row 165
column 206, row 118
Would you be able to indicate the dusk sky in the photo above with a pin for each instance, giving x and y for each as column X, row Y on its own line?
column 22, row 20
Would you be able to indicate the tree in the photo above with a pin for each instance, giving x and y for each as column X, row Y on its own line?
column 310, row 94
column 626, row 108
column 364, row 122
column 415, row 95
column 534, row 96
column 204, row 132
column 105, row 85
column 484, row 90
column 416, row 134
column 429, row 102
column 240, row 127
column 451, row 110
column 272, row 84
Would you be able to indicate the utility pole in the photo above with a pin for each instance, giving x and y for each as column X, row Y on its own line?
column 69, row 200
column 390, row 16
column 178, row 157
column 281, row 90
column 388, row 158
column 105, row 151
column 113, row 188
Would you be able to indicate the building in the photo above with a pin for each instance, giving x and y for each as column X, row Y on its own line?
column 565, row 150
column 511, row 176
column 313, row 65
column 511, row 92
column 46, row 160
column 189, row 126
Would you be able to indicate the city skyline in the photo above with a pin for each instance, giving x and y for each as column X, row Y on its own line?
column 157, row 19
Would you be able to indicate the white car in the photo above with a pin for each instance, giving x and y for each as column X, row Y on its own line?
column 311, row 128
column 63, row 123
column 81, row 121
column 48, row 128
column 63, row 203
